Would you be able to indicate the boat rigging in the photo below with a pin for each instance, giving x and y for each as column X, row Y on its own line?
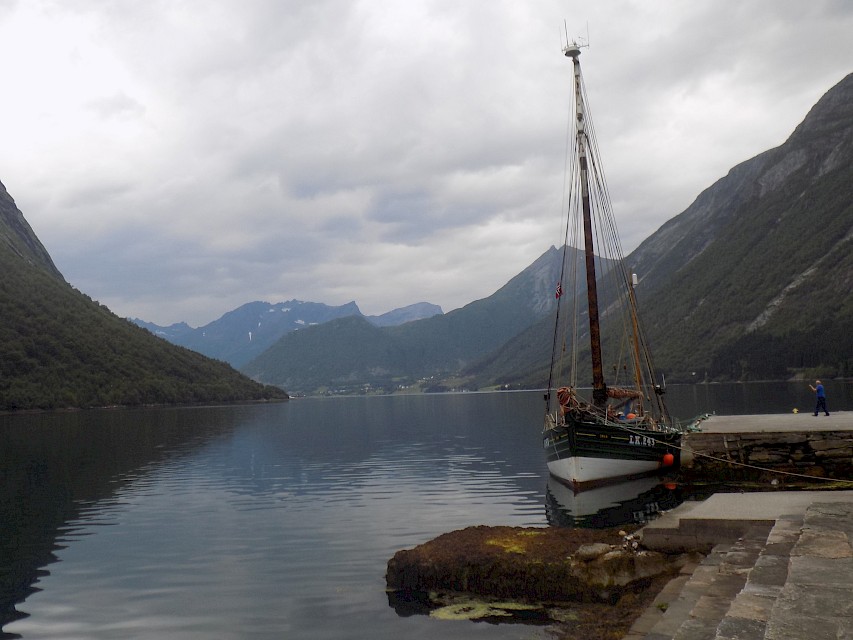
column 624, row 429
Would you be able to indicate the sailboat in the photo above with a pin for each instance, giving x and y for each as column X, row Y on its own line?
column 621, row 428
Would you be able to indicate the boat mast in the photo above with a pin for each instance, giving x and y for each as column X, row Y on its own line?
column 599, row 387
column 635, row 327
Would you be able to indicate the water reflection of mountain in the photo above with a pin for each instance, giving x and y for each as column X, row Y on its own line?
column 428, row 439
column 54, row 467
column 633, row 502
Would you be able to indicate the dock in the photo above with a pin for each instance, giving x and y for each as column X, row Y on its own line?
column 779, row 564
column 794, row 445
column 786, row 422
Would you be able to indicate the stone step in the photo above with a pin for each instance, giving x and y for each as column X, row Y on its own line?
column 751, row 609
column 815, row 602
column 799, row 584
column 692, row 606
column 665, row 599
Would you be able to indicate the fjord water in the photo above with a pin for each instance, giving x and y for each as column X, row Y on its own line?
column 265, row 521
column 273, row 521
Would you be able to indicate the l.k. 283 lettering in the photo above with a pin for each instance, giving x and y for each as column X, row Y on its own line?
column 642, row 441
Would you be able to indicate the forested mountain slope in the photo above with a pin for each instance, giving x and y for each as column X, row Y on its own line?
column 758, row 284
column 58, row 348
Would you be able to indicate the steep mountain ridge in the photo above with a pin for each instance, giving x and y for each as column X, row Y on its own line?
column 784, row 234
column 58, row 348
column 817, row 145
column 18, row 237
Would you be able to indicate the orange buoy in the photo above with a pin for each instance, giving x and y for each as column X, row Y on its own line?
column 668, row 460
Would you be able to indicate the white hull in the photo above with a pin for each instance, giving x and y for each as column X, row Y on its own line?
column 577, row 470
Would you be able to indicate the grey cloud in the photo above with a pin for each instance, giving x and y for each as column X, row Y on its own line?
column 117, row 106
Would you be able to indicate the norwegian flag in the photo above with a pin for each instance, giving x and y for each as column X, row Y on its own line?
column 559, row 291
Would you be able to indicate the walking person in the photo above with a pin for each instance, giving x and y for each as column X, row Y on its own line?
column 821, row 397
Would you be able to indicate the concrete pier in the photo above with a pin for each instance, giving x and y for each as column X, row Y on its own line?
column 786, row 422
column 743, row 447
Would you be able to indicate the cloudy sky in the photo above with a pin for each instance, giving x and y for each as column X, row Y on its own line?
column 179, row 158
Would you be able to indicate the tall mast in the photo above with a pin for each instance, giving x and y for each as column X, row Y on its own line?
column 599, row 387
column 635, row 327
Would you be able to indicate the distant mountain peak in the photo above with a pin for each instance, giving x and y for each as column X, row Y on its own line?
column 410, row 313
column 245, row 332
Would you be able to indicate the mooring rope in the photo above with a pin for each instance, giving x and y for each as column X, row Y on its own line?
column 730, row 462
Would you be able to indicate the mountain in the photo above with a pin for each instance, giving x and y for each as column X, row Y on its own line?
column 349, row 353
column 759, row 267
column 249, row 330
column 417, row 311
column 242, row 334
column 752, row 280
column 59, row 348
column 17, row 239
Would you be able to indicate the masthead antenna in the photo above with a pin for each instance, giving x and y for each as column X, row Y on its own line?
column 573, row 47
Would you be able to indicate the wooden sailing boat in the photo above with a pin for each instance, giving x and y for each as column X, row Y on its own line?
column 623, row 429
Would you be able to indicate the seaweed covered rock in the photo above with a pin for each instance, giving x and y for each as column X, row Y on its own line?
column 530, row 564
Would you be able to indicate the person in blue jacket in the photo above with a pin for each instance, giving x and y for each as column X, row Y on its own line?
column 821, row 397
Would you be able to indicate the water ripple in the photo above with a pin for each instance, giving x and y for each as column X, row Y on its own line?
column 263, row 526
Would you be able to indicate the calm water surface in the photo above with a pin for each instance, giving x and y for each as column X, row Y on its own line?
column 277, row 521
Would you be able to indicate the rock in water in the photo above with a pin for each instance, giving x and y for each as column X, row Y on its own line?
column 530, row 564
